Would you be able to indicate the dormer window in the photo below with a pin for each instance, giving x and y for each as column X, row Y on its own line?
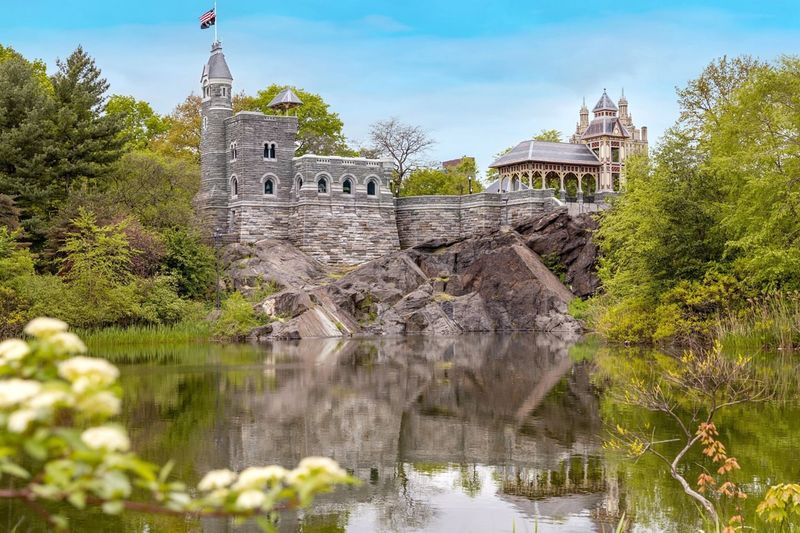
column 234, row 151
column 269, row 150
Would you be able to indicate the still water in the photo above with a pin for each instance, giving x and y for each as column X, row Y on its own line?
column 465, row 434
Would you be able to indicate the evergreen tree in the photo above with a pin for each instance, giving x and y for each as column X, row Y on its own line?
column 87, row 139
column 26, row 140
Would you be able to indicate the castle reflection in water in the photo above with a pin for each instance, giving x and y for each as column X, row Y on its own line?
column 438, row 428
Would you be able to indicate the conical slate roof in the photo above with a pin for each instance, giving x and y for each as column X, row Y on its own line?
column 286, row 99
column 605, row 103
column 217, row 67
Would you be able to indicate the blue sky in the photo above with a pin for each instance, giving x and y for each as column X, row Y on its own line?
column 480, row 76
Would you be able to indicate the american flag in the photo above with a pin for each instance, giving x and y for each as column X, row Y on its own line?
column 208, row 19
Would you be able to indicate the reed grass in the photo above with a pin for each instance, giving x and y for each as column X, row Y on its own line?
column 771, row 323
column 184, row 332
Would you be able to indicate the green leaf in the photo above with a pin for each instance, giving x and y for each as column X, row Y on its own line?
column 165, row 471
column 14, row 469
column 36, row 449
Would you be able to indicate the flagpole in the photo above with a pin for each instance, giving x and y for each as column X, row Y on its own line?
column 216, row 22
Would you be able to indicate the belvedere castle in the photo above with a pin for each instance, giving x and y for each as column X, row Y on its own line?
column 340, row 210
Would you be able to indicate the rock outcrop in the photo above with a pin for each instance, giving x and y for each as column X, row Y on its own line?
column 502, row 281
column 565, row 243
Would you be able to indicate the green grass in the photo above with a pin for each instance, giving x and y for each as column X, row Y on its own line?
column 770, row 324
column 188, row 331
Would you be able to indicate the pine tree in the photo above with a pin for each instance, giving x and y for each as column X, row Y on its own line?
column 87, row 139
column 26, row 139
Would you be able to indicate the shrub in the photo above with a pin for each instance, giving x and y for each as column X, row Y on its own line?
column 237, row 318
column 190, row 262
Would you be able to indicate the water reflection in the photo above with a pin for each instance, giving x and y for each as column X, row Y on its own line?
column 471, row 433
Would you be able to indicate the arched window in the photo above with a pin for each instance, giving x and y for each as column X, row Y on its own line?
column 347, row 186
column 235, row 186
column 322, row 185
column 234, row 151
column 269, row 150
column 269, row 187
column 371, row 188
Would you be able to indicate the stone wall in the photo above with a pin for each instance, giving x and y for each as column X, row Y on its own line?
column 422, row 218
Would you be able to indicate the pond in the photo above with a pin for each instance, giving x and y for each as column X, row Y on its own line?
column 472, row 433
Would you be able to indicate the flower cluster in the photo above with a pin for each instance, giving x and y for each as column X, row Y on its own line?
column 56, row 406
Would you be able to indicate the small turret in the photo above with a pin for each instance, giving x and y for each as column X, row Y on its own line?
column 584, row 114
column 216, row 79
column 623, row 105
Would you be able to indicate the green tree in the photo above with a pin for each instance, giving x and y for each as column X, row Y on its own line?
column 667, row 236
column 182, row 136
column 553, row 136
column 26, row 141
column 140, row 124
column 319, row 130
column 755, row 148
column 38, row 66
column 88, row 139
column 190, row 262
column 452, row 181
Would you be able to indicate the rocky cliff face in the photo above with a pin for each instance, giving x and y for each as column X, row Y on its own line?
column 512, row 280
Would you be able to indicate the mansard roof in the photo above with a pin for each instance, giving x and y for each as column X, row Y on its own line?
column 216, row 67
column 604, row 126
column 605, row 103
column 548, row 152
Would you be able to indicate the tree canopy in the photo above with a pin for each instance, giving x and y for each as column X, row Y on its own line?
column 319, row 130
column 710, row 219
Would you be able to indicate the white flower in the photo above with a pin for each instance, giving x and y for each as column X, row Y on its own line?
column 86, row 372
column 256, row 477
column 48, row 398
column 250, row 499
column 102, row 403
column 44, row 327
column 19, row 421
column 108, row 438
column 216, row 479
column 14, row 349
column 66, row 342
column 322, row 464
column 14, row 391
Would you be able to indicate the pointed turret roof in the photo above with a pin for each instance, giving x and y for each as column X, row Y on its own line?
column 584, row 109
column 622, row 99
column 217, row 67
column 286, row 99
column 605, row 103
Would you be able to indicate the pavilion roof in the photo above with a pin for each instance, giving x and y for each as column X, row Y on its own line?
column 548, row 152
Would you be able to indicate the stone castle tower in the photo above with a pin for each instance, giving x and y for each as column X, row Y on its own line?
column 612, row 136
column 340, row 210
